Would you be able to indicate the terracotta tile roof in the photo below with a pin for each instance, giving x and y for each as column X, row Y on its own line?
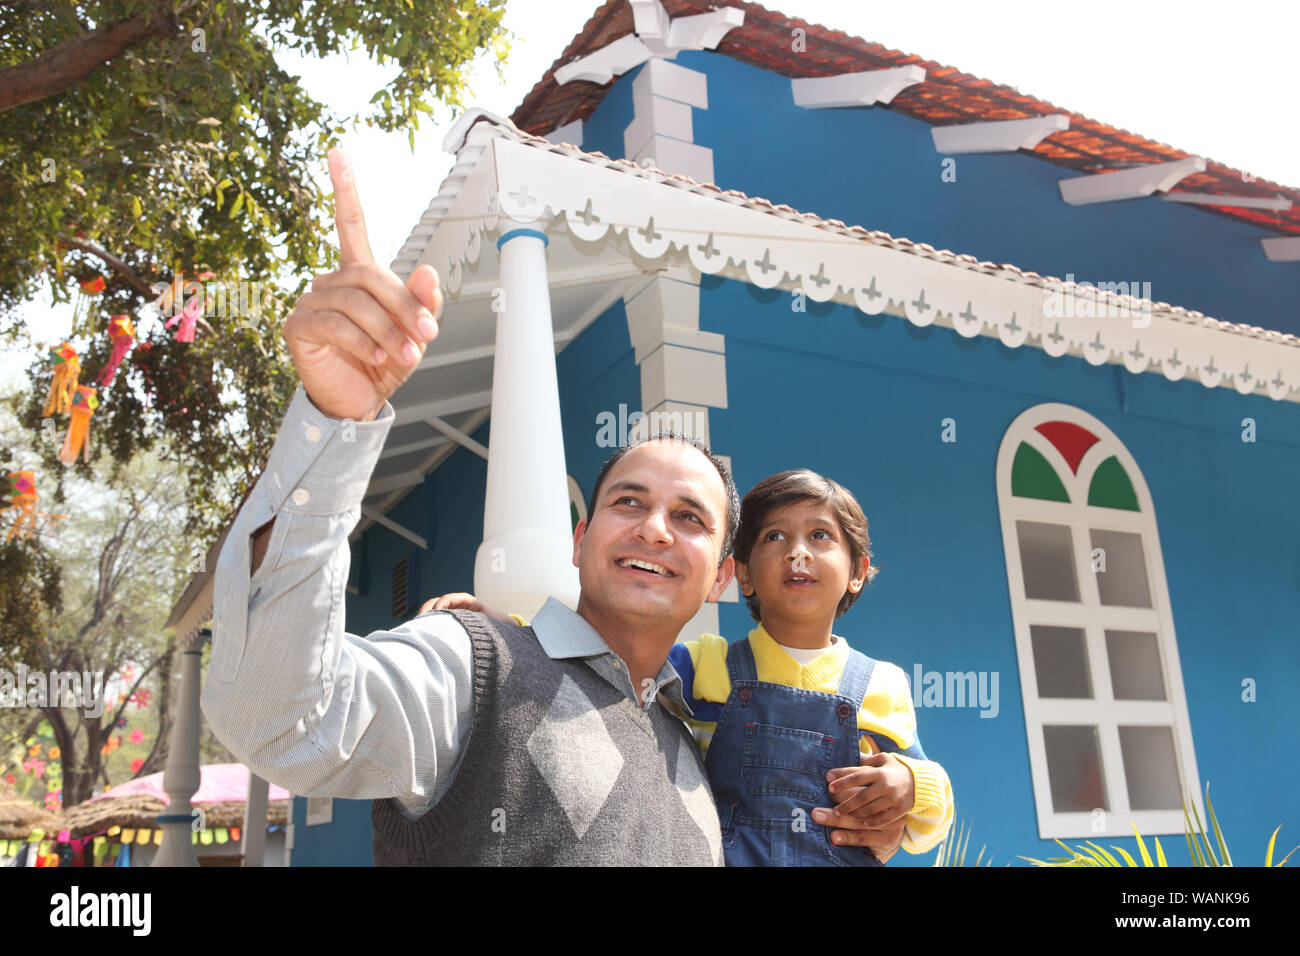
column 948, row 96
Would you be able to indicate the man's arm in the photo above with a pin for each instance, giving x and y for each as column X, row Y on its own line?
column 290, row 692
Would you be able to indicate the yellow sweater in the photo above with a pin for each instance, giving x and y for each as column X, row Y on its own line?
column 886, row 719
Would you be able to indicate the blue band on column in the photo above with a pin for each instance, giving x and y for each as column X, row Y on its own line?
column 523, row 232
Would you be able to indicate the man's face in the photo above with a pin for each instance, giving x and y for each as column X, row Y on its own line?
column 650, row 548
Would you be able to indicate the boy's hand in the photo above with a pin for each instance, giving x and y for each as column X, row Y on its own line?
column 880, row 792
column 849, row 830
column 461, row 601
column 360, row 331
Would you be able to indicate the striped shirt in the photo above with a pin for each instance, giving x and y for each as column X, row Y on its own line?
column 313, row 708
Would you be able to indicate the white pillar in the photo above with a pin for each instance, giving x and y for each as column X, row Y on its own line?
column 181, row 777
column 527, row 548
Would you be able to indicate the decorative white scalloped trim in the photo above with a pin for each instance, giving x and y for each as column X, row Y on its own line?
column 727, row 233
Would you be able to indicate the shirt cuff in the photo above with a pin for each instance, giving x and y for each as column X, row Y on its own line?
column 322, row 465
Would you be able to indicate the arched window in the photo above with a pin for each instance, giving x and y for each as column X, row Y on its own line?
column 1105, row 711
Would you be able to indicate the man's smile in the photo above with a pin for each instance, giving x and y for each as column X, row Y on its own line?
column 642, row 566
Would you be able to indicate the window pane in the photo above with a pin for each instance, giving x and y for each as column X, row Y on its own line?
column 1150, row 767
column 1124, row 582
column 1135, row 672
column 1047, row 559
column 1074, row 768
column 1060, row 661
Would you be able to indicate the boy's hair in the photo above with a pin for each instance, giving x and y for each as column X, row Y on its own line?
column 787, row 487
column 730, row 520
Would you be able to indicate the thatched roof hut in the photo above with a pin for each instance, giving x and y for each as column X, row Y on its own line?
column 19, row 816
column 138, row 812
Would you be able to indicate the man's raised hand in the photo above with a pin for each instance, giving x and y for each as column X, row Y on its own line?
column 359, row 333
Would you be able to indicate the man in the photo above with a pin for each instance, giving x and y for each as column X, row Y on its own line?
column 480, row 742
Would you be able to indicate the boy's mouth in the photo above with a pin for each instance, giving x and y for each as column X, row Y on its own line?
column 800, row 579
column 641, row 566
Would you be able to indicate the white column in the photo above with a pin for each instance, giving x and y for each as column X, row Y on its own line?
column 527, row 548
column 181, row 777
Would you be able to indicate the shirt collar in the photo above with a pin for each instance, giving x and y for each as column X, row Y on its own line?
column 563, row 633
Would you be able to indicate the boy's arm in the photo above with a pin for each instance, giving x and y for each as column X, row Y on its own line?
column 302, row 702
column 702, row 667
column 931, row 815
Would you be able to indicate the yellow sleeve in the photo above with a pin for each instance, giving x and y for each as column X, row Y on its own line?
column 887, row 709
column 709, row 655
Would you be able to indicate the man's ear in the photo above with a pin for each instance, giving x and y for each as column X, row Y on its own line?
column 578, row 534
column 725, row 572
column 742, row 579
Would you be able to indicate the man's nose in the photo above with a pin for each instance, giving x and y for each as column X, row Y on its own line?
column 654, row 527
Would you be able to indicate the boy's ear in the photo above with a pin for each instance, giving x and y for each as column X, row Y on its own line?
column 858, row 580
column 742, row 579
column 725, row 572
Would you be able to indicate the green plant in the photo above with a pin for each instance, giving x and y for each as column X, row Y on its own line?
column 1198, row 846
column 952, row 851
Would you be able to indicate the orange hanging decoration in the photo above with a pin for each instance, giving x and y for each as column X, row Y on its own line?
column 122, row 333
column 84, row 403
column 66, row 370
column 22, row 497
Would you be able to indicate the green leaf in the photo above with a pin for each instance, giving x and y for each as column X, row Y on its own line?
column 235, row 206
column 1127, row 859
column 135, row 207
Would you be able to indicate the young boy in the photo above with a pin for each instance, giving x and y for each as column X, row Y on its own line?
column 777, row 712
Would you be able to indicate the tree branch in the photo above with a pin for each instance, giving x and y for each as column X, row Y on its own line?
column 67, row 64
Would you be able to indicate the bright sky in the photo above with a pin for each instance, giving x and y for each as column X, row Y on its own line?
column 1212, row 79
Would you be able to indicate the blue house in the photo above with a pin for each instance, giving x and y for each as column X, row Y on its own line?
column 1076, row 436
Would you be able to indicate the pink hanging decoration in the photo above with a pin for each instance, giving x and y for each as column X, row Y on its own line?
column 188, row 318
column 122, row 332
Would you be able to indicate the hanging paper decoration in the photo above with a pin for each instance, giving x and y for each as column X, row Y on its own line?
column 122, row 332
column 188, row 318
column 84, row 403
column 22, row 499
column 66, row 370
column 82, row 311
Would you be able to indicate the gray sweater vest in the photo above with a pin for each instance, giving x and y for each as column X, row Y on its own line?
column 561, row 769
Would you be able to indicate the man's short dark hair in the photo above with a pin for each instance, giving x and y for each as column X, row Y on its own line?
column 732, row 517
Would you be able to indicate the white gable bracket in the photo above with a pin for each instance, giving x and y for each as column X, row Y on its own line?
column 998, row 136
column 1283, row 249
column 854, row 89
column 1129, row 183
column 655, row 35
column 606, row 63
column 1239, row 202
column 704, row 31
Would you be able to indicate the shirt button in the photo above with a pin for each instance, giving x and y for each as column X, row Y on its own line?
column 313, row 433
column 300, row 496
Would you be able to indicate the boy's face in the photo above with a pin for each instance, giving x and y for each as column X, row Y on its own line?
column 801, row 564
column 651, row 547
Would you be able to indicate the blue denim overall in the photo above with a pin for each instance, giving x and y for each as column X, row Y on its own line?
column 768, row 759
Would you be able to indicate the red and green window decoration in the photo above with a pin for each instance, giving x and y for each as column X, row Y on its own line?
column 1033, row 476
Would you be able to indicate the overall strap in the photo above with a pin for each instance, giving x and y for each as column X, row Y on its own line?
column 740, row 661
column 856, row 676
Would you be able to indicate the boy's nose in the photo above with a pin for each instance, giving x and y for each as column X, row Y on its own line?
column 800, row 558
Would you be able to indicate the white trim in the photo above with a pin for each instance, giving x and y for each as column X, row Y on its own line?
column 997, row 136
column 458, row 436
column 1282, row 248
column 866, row 88
column 659, row 222
column 1239, row 202
column 1088, row 614
column 1129, row 183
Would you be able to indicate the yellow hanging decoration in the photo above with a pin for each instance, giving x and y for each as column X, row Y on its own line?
column 22, row 497
column 84, row 403
column 66, row 371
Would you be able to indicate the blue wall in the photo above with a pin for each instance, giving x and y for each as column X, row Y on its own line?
column 879, row 169
column 1227, row 512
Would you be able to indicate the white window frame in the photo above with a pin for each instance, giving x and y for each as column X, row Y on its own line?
column 1102, row 711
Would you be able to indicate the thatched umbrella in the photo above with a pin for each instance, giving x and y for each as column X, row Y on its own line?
column 19, row 816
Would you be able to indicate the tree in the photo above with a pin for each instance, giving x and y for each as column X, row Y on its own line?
column 152, row 141
column 124, row 534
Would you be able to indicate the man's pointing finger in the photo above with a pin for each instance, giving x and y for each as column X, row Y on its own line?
column 354, row 244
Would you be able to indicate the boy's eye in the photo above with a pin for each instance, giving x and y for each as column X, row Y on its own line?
column 773, row 536
column 822, row 532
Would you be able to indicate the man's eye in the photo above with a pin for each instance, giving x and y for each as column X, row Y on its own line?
column 691, row 516
column 626, row 500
